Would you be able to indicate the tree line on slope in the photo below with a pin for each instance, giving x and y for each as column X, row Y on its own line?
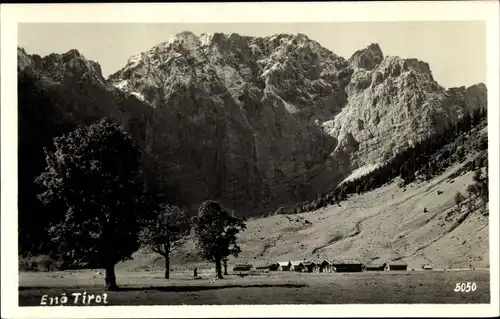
column 105, row 212
column 477, row 196
column 425, row 159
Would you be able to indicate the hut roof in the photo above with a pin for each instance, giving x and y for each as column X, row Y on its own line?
column 347, row 262
column 283, row 263
column 397, row 263
column 376, row 265
column 309, row 263
column 296, row 263
column 326, row 261
column 265, row 266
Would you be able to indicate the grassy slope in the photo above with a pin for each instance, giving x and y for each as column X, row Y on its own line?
column 385, row 224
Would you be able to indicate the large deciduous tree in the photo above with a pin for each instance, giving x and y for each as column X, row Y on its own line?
column 165, row 232
column 93, row 173
column 216, row 232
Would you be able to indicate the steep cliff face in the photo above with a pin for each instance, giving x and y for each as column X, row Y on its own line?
column 393, row 102
column 243, row 109
column 251, row 122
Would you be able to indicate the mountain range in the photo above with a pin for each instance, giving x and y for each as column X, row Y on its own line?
column 253, row 122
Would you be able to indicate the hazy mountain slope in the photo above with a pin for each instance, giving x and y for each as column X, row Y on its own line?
column 386, row 224
column 418, row 224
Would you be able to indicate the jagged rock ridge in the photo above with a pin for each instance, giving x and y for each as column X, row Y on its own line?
column 392, row 103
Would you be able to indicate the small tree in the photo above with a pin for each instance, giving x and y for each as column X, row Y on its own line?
column 459, row 200
column 216, row 231
column 93, row 174
column 481, row 187
column 47, row 263
column 165, row 232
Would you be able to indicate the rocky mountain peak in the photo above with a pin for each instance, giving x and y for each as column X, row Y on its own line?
column 69, row 69
column 367, row 58
column 71, row 54
column 24, row 61
column 477, row 88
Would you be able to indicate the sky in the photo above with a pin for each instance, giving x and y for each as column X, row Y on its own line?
column 455, row 50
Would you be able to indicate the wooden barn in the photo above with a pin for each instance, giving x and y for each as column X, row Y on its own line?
column 284, row 266
column 375, row 267
column 309, row 266
column 348, row 265
column 267, row 267
column 296, row 266
column 396, row 265
column 242, row 267
column 326, row 266
column 274, row 267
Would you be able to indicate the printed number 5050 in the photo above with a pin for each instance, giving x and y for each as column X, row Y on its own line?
column 465, row 287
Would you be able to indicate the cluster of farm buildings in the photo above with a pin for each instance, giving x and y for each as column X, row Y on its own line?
column 346, row 265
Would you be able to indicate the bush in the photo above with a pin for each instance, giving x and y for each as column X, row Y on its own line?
column 47, row 263
column 459, row 198
column 33, row 265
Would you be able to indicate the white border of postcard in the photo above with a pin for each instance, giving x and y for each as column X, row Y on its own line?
column 12, row 14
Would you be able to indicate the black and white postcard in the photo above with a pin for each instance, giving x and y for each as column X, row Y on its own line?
column 269, row 159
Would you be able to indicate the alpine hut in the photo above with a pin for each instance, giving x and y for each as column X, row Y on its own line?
column 242, row 267
column 396, row 265
column 309, row 266
column 326, row 266
column 284, row 266
column 296, row 266
column 274, row 267
column 348, row 265
column 375, row 267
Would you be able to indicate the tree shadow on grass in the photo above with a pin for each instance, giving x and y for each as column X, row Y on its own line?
column 184, row 288
column 214, row 287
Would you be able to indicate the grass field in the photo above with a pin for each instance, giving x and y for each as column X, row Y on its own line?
column 149, row 288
